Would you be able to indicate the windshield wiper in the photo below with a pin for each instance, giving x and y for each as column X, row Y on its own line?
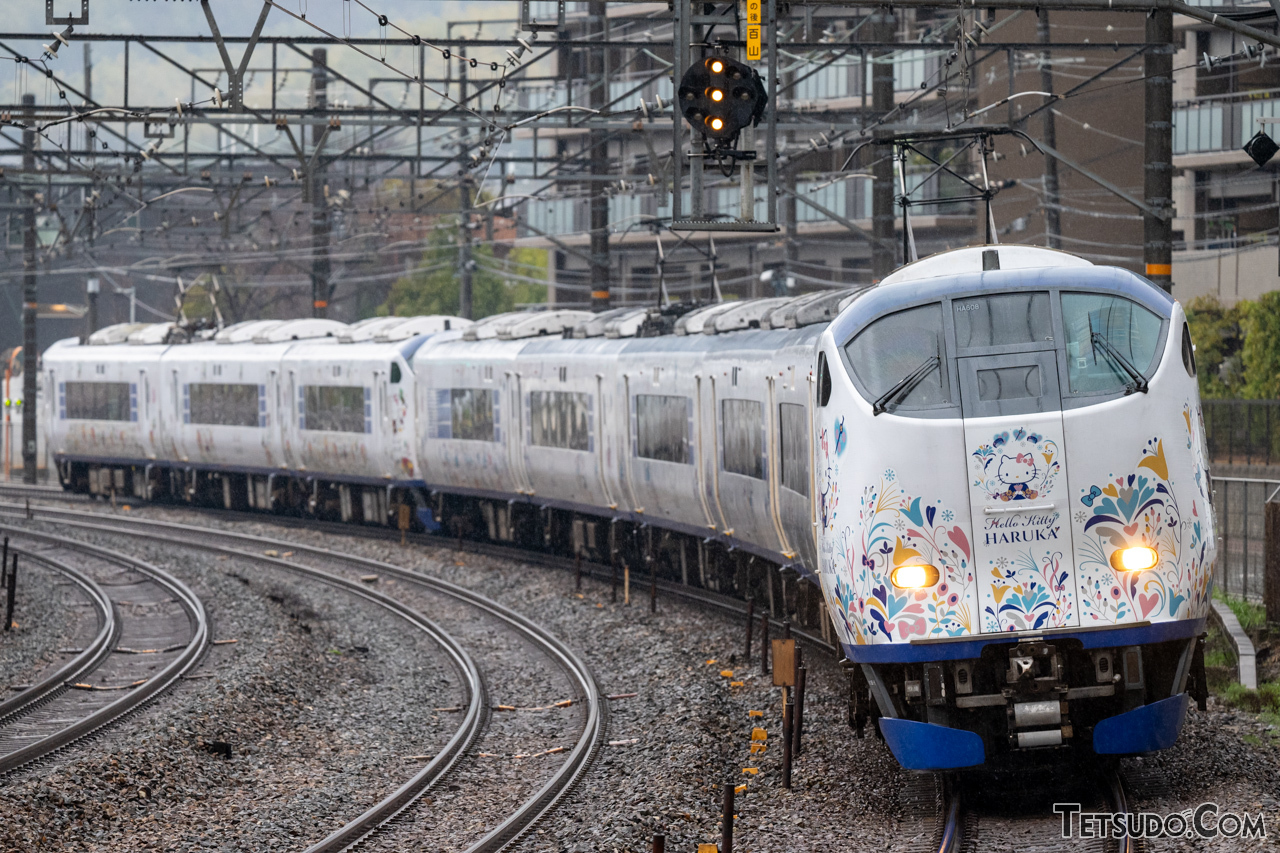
column 1137, row 382
column 904, row 385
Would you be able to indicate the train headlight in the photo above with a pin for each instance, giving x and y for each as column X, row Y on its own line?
column 914, row 576
column 1139, row 558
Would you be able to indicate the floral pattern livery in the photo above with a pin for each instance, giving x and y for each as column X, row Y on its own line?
column 894, row 528
column 1142, row 508
column 1029, row 577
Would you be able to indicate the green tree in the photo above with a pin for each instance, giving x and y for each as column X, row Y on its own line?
column 1215, row 330
column 433, row 288
column 1261, row 351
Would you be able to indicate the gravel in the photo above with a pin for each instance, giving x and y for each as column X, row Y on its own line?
column 322, row 704
column 686, row 730
column 673, row 744
column 50, row 613
column 1227, row 757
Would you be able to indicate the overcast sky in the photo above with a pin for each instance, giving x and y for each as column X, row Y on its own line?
column 154, row 82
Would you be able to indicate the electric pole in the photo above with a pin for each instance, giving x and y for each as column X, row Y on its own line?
column 1052, row 211
column 30, row 300
column 466, row 258
column 466, row 261
column 883, row 254
column 598, row 96
column 319, row 204
column 1157, row 230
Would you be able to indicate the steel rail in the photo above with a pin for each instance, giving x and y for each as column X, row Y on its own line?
column 83, row 663
column 143, row 693
column 1119, row 805
column 532, row 810
column 600, row 571
column 952, row 828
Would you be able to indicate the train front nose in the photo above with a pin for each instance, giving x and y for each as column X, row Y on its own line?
column 1014, row 520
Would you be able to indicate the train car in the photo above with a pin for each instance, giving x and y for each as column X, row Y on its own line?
column 227, row 419
column 990, row 467
column 1015, row 529
column 106, row 405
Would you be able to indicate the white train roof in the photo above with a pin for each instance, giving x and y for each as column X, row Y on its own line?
column 742, row 315
column 243, row 332
column 626, row 325
column 819, row 307
column 693, row 322
column 598, row 324
column 409, row 327
column 300, row 330
column 522, row 324
column 154, row 333
column 973, row 259
column 117, row 334
column 364, row 330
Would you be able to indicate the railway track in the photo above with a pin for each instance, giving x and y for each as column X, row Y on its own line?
column 703, row 598
column 395, row 813
column 152, row 629
column 1025, row 822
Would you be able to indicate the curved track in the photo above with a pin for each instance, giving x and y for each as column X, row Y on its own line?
column 155, row 614
column 79, row 667
column 380, row 816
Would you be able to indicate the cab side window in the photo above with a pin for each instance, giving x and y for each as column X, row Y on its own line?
column 906, row 347
column 1103, row 332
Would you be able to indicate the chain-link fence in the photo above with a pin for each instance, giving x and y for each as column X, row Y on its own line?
column 1242, row 432
column 1240, row 509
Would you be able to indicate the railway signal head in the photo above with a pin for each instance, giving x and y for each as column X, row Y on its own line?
column 720, row 96
column 1261, row 148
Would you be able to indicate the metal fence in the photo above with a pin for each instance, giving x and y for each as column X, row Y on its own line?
column 1240, row 510
column 1242, row 432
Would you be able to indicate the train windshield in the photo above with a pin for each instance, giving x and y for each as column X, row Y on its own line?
column 900, row 361
column 1112, row 343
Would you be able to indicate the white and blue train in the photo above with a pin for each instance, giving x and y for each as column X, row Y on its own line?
column 984, row 477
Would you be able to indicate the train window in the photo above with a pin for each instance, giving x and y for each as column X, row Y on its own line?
column 743, row 423
column 793, row 441
column 1003, row 319
column 1188, row 351
column 1106, row 335
column 466, row 413
column 101, row 401
column 900, row 359
column 560, row 419
column 1010, row 383
column 662, row 427
column 336, row 408
column 395, row 373
column 824, row 380
column 224, row 405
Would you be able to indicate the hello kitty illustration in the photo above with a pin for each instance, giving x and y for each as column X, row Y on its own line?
column 1017, row 473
